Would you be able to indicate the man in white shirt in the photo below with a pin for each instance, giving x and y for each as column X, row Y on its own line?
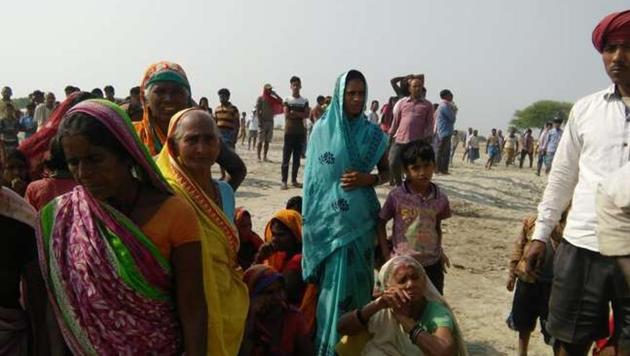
column 594, row 144
column 373, row 115
column 43, row 110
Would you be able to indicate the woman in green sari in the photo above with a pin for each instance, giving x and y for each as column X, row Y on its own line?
column 341, row 207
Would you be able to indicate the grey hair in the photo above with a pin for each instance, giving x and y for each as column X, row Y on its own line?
column 177, row 134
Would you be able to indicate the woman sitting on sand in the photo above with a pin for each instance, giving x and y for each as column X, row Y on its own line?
column 409, row 318
column 192, row 147
column 273, row 326
column 250, row 241
column 282, row 251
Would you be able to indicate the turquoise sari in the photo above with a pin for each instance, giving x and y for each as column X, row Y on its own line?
column 339, row 226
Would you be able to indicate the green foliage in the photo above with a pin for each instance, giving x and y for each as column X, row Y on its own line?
column 540, row 112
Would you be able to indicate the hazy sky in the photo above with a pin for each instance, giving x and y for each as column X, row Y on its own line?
column 496, row 55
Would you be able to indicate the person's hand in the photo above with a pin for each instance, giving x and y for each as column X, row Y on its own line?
column 353, row 179
column 406, row 322
column 535, row 256
column 394, row 298
column 510, row 283
column 265, row 251
column 446, row 262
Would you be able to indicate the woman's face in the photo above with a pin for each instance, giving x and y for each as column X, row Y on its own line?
column 103, row 173
column 283, row 238
column 15, row 169
column 272, row 298
column 354, row 98
column 245, row 222
column 197, row 144
column 410, row 280
column 165, row 99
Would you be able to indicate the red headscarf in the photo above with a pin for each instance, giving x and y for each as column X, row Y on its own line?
column 36, row 146
column 615, row 26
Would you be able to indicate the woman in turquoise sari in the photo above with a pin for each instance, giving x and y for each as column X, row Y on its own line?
column 341, row 207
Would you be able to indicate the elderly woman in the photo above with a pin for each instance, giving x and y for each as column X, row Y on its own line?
column 164, row 91
column 409, row 318
column 340, row 206
column 120, row 253
column 192, row 147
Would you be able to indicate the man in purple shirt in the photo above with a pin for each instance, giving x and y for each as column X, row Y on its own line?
column 413, row 121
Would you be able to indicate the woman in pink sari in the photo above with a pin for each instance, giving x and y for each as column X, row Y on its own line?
column 120, row 253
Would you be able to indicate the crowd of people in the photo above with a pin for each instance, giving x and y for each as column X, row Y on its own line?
column 118, row 238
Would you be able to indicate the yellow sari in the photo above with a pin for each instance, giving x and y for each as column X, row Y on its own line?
column 226, row 294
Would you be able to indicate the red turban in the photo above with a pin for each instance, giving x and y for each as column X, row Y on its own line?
column 615, row 26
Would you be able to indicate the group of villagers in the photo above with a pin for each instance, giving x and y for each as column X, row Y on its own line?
column 141, row 251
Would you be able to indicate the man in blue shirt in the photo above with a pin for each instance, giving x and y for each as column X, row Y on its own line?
column 27, row 122
column 445, row 117
column 551, row 145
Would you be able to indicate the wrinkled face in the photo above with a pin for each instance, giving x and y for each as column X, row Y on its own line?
column 616, row 56
column 50, row 100
column 420, row 173
column 165, row 99
column 410, row 280
column 197, row 143
column 354, row 98
column 415, row 88
column 99, row 170
column 273, row 298
column 283, row 239
column 15, row 169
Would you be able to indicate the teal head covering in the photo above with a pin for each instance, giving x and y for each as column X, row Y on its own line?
column 334, row 217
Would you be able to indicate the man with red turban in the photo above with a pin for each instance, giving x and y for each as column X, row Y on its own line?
column 595, row 144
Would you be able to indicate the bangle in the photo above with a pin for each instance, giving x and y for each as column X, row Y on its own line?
column 360, row 317
column 415, row 331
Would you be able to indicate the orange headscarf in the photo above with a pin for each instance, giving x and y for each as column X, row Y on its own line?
column 291, row 219
column 150, row 133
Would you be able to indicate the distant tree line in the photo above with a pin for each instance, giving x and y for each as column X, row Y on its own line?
column 540, row 112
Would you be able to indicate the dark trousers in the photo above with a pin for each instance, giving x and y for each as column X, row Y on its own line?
column 443, row 154
column 292, row 147
column 395, row 164
column 541, row 159
column 435, row 272
column 525, row 153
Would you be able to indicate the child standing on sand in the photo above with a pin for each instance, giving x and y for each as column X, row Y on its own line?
column 417, row 207
column 531, row 297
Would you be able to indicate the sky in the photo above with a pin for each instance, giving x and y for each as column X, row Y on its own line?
column 496, row 56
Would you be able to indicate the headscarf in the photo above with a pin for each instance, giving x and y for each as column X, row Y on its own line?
column 334, row 217
column 163, row 71
column 250, row 236
column 37, row 145
column 13, row 206
column 259, row 277
column 109, row 286
column 615, row 26
column 430, row 292
column 291, row 219
column 223, row 286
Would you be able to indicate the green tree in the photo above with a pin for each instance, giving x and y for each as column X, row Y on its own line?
column 540, row 112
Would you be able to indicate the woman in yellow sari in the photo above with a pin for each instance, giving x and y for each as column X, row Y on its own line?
column 192, row 147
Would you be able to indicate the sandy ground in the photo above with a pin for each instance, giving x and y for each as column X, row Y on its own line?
column 488, row 207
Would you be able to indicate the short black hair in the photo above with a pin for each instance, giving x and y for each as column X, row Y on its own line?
column 320, row 99
column 134, row 91
column 68, row 89
column 295, row 203
column 108, row 88
column 97, row 92
column 444, row 93
column 417, row 151
column 374, row 101
column 30, row 106
column 557, row 120
column 224, row 91
column 295, row 79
